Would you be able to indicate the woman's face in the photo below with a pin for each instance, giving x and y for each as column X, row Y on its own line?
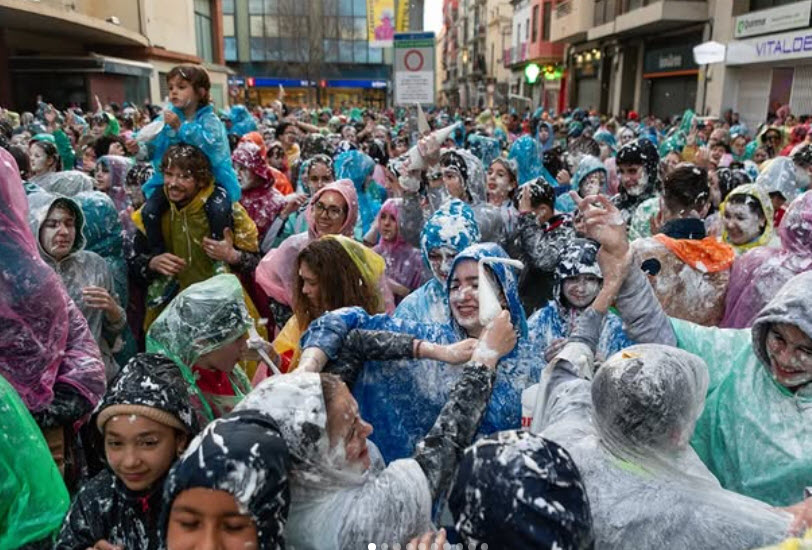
column 716, row 154
column 592, row 184
column 140, row 450
column 760, row 155
column 347, row 432
column 224, row 358
column 544, row 133
column 626, row 136
column 211, row 519
column 310, row 286
column 39, row 161
column 670, row 162
column 789, row 350
column 115, row 149
column 440, row 260
column 276, row 157
column 318, row 176
column 102, row 177
column 500, row 184
column 581, row 290
column 330, row 212
column 388, row 227
column 453, row 183
column 737, row 145
column 88, row 160
column 463, row 297
column 742, row 224
column 348, row 133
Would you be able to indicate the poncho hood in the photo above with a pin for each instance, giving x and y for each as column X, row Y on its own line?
column 41, row 204
column 758, row 193
column 778, row 176
column 589, row 165
column 453, row 226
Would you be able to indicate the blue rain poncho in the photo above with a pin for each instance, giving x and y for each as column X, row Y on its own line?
column 358, row 167
column 588, row 165
column 242, row 121
column 452, row 227
column 402, row 399
column 550, row 141
column 207, row 133
column 525, row 151
column 486, row 149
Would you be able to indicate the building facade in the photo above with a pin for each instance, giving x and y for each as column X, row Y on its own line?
column 118, row 50
column 497, row 43
column 317, row 51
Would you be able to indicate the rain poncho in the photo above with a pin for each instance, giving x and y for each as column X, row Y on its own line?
column 276, row 273
column 558, row 318
column 453, row 227
column 358, row 167
column 242, row 121
column 68, row 183
column 754, row 434
column 588, row 165
column 689, row 276
column 403, row 261
column 544, row 145
column 382, row 503
column 525, row 151
column 759, row 274
column 245, row 456
column 486, row 149
column 520, row 491
column 105, row 509
column 78, row 270
column 628, row 432
column 263, row 202
column 403, row 398
column 203, row 318
column 45, row 341
column 640, row 223
column 33, row 498
column 118, row 167
column 778, row 176
column 638, row 152
column 767, row 235
column 207, row 133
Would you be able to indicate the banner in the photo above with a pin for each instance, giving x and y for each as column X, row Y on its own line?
column 402, row 21
column 380, row 23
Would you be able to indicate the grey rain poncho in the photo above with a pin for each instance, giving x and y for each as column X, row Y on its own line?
column 628, row 432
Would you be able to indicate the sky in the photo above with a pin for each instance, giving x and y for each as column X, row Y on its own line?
column 433, row 15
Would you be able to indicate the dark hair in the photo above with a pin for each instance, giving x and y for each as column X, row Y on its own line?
column 541, row 193
column 50, row 150
column 281, row 128
column 102, row 144
column 752, row 202
column 194, row 75
column 340, row 281
column 21, row 156
column 189, row 159
column 138, row 174
column 686, row 188
column 585, row 145
column 552, row 160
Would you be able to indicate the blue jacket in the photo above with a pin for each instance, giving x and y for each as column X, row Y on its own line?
column 402, row 399
column 207, row 133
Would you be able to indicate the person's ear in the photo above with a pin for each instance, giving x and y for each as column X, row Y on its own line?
column 181, row 440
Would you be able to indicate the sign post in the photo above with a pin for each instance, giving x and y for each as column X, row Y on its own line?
column 414, row 68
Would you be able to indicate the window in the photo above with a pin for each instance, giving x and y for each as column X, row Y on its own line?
column 518, row 33
column 228, row 7
column 230, row 48
column 546, row 17
column 257, row 48
column 203, row 30
column 330, row 51
column 527, row 30
column 536, row 22
column 228, row 25
column 360, row 51
column 255, row 7
column 756, row 5
column 376, row 55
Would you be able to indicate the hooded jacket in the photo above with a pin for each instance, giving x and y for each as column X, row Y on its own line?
column 587, row 166
column 544, row 145
column 105, row 509
column 528, row 156
column 759, row 274
column 558, row 318
column 641, row 152
column 263, row 203
column 628, row 431
column 242, row 121
column 244, row 455
column 743, row 398
column 453, row 227
column 118, row 167
column 403, row 398
column 79, row 269
column 758, row 193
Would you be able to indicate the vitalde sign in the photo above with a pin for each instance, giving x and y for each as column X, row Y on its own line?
column 782, row 18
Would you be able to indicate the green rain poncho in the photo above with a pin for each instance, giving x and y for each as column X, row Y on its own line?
column 33, row 498
column 204, row 317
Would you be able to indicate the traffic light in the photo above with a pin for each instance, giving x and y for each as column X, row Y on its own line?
column 531, row 73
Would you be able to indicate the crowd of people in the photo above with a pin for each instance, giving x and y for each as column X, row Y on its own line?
column 276, row 327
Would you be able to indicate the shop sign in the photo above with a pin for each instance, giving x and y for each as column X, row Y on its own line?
column 664, row 60
column 774, row 47
column 782, row 18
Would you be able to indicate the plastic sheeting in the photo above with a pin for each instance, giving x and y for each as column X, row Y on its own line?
column 44, row 341
column 758, row 193
column 351, row 509
column 628, row 433
column 778, row 176
column 358, row 167
column 33, row 498
column 68, row 182
column 403, row 261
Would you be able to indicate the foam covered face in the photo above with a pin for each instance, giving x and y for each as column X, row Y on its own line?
column 38, row 161
column 790, row 353
column 440, row 260
column 742, row 224
column 626, row 136
column 349, row 133
column 58, row 232
column 463, row 296
column 581, row 290
column 633, row 178
column 348, row 433
column 247, row 178
column 499, row 183
column 801, row 177
column 592, row 184
column 181, row 93
column 453, row 183
column 388, row 227
column 180, row 185
column 209, row 518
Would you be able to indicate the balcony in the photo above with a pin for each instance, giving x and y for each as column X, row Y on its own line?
column 644, row 17
column 515, row 55
column 572, row 20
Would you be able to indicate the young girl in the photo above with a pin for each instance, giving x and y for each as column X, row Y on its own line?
column 191, row 119
column 146, row 421
column 404, row 264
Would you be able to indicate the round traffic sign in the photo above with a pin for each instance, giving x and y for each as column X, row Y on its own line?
column 413, row 60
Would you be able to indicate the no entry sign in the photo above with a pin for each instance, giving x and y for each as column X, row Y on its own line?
column 414, row 68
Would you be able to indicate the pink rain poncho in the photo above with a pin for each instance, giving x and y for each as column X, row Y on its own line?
column 404, row 263
column 276, row 273
column 44, row 338
column 759, row 274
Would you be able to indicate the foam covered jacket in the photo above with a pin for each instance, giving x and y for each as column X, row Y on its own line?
column 453, row 226
column 645, row 490
column 81, row 268
column 743, row 397
column 402, row 399
column 350, row 508
column 758, row 274
column 643, row 152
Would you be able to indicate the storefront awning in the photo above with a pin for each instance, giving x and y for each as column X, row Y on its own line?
column 94, row 63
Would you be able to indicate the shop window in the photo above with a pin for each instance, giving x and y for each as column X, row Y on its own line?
column 346, row 28
column 361, row 51
column 546, row 17
column 345, row 51
column 535, row 23
column 330, row 51
column 256, row 7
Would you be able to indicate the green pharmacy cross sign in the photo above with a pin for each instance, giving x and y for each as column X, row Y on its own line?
column 531, row 72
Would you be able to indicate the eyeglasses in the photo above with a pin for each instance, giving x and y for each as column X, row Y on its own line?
column 333, row 212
